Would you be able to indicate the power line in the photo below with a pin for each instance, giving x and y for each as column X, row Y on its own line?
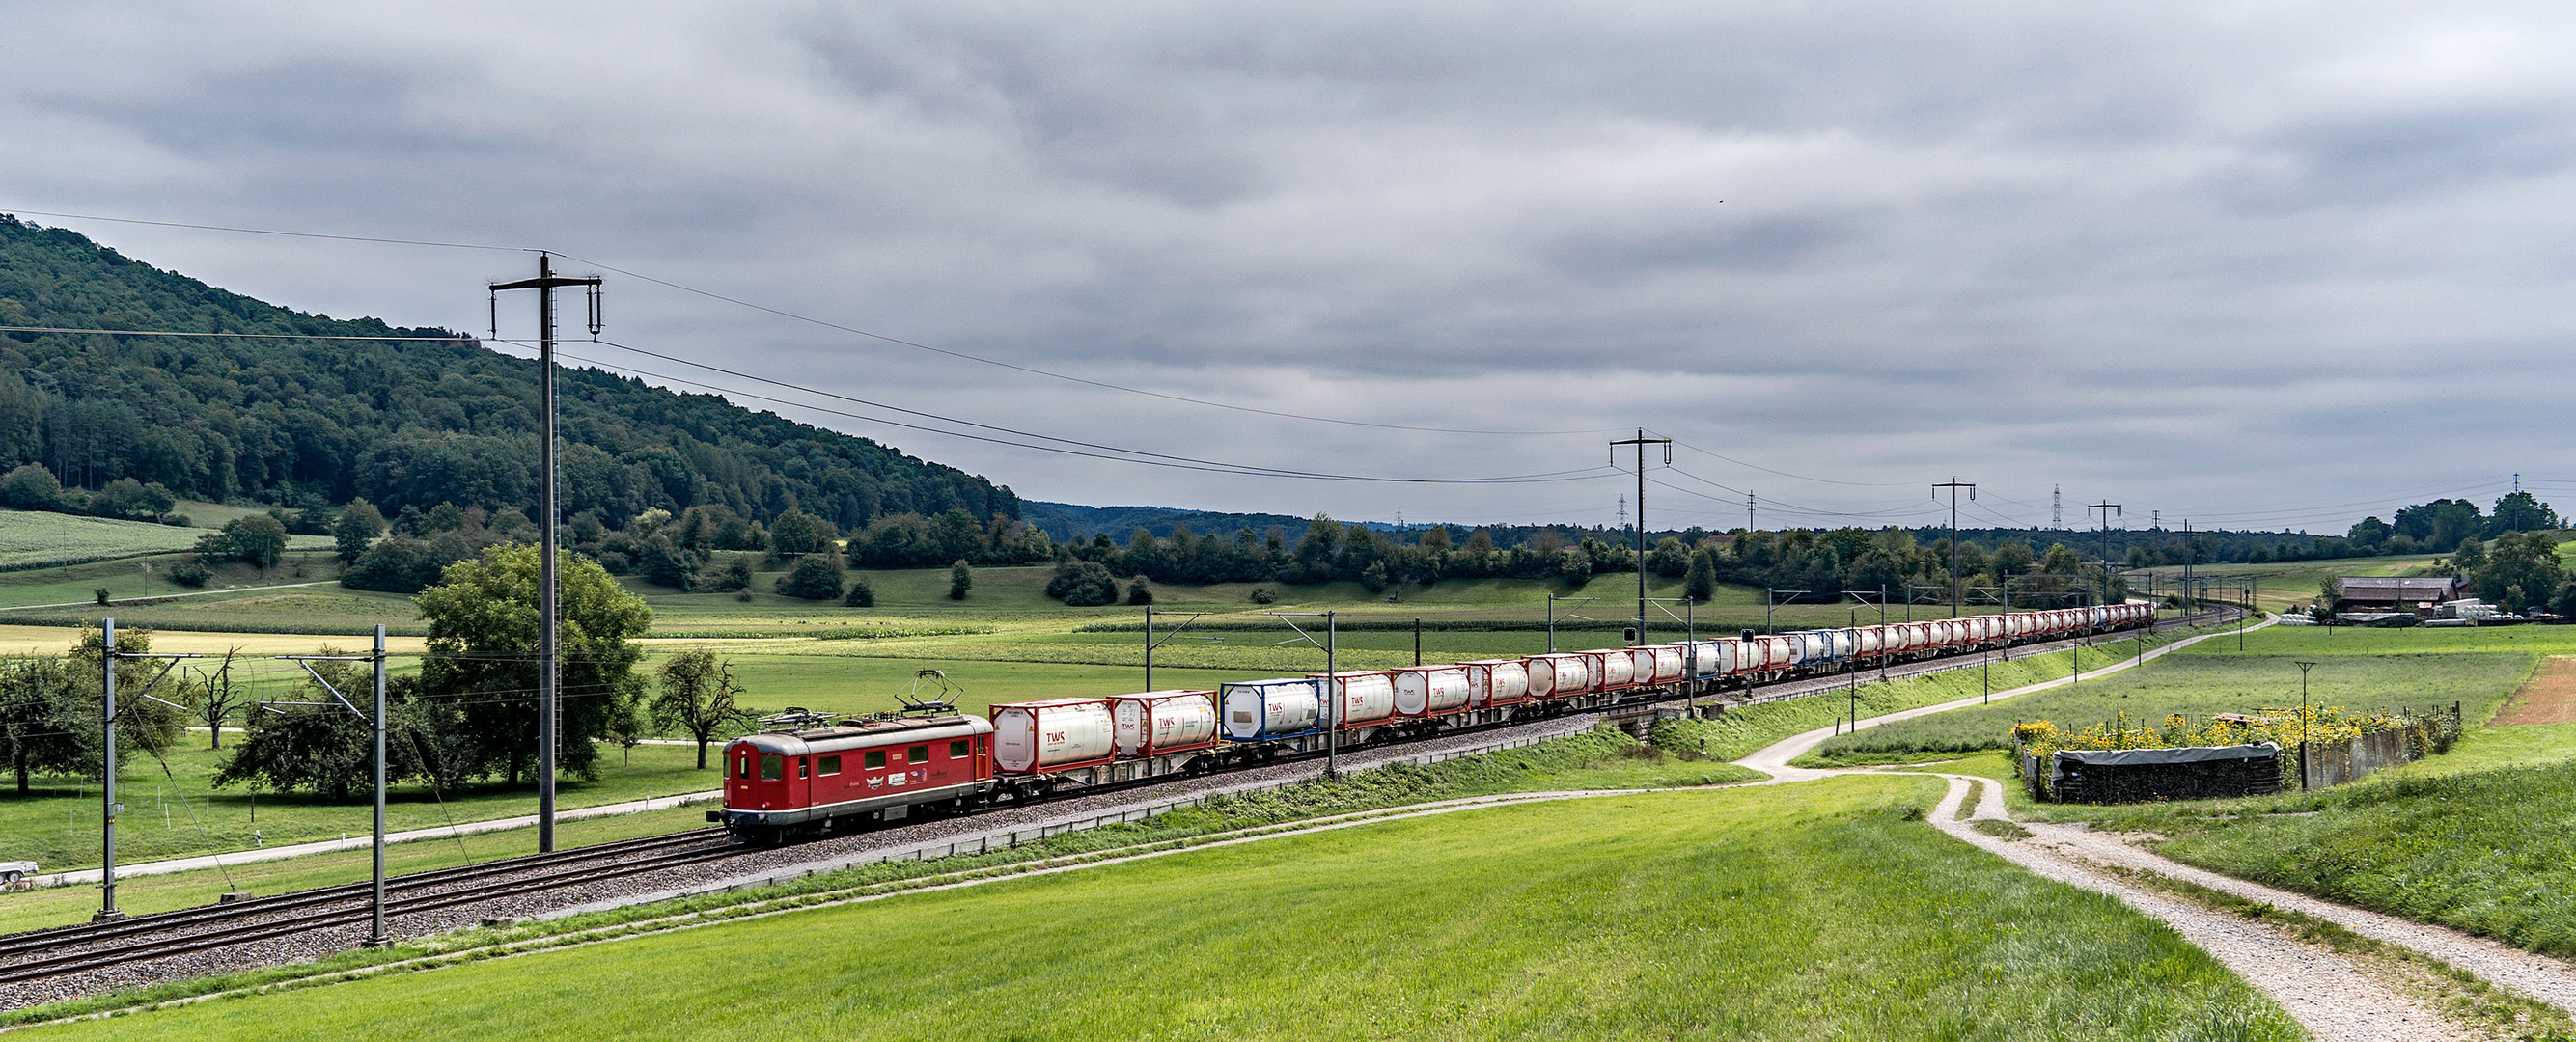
column 1106, row 452
column 1787, row 474
column 272, row 231
column 1105, row 385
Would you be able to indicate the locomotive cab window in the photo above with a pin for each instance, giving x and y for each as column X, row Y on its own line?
column 772, row 767
column 828, row 766
column 876, row 759
column 958, row 750
column 800, row 768
column 742, row 766
column 917, row 754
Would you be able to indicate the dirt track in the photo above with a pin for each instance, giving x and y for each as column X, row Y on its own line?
column 2549, row 697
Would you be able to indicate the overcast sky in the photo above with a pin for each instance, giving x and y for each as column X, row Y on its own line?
column 2258, row 265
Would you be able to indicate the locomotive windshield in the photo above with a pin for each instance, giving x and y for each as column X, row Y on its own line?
column 772, row 767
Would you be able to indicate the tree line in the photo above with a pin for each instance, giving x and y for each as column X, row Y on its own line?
column 1821, row 563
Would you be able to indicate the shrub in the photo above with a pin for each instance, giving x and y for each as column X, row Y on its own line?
column 861, row 594
column 961, row 577
column 31, row 487
column 816, row 577
column 1139, row 593
column 1083, row 584
column 258, row 540
column 190, row 572
column 1264, row 595
column 401, row 564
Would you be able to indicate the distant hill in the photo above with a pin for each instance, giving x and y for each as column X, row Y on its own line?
column 306, row 423
column 1066, row 522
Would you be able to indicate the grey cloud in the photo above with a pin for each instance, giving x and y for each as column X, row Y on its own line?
column 2147, row 251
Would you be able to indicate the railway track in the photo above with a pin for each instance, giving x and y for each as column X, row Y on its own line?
column 60, row 951
column 68, row 950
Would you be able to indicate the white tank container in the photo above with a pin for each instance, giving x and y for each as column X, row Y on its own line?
column 1255, row 710
column 1775, row 653
column 1659, row 664
column 1555, row 676
column 1163, row 722
column 1846, row 643
column 1715, row 658
column 1054, row 734
column 1428, row 690
column 1367, row 697
column 1867, row 640
column 1498, row 681
column 1611, row 668
column 1798, row 648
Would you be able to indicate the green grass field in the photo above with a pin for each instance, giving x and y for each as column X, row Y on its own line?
column 1781, row 914
column 2211, row 677
column 35, row 538
column 178, row 814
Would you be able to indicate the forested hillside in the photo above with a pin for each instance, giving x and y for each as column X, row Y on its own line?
column 306, row 423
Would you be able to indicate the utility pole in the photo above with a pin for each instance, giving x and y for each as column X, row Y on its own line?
column 1954, row 486
column 2107, row 508
column 1748, row 513
column 1329, row 698
column 1641, row 441
column 549, row 712
column 108, row 712
column 2304, row 667
column 2186, row 566
column 1151, row 642
column 376, row 938
column 1552, row 598
column 107, row 911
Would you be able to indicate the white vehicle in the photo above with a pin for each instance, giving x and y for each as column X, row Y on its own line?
column 12, row 871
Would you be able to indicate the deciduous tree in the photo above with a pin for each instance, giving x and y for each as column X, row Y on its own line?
column 698, row 696
column 482, row 658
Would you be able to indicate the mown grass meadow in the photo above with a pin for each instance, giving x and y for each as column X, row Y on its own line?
column 1784, row 914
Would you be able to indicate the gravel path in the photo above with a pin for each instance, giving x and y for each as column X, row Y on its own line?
column 2533, row 975
column 2336, row 1000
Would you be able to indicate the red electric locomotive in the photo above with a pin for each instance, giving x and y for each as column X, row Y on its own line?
column 809, row 773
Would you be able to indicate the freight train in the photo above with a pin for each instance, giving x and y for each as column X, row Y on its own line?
column 812, row 774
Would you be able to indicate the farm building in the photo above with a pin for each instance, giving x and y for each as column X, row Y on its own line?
column 2362, row 593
